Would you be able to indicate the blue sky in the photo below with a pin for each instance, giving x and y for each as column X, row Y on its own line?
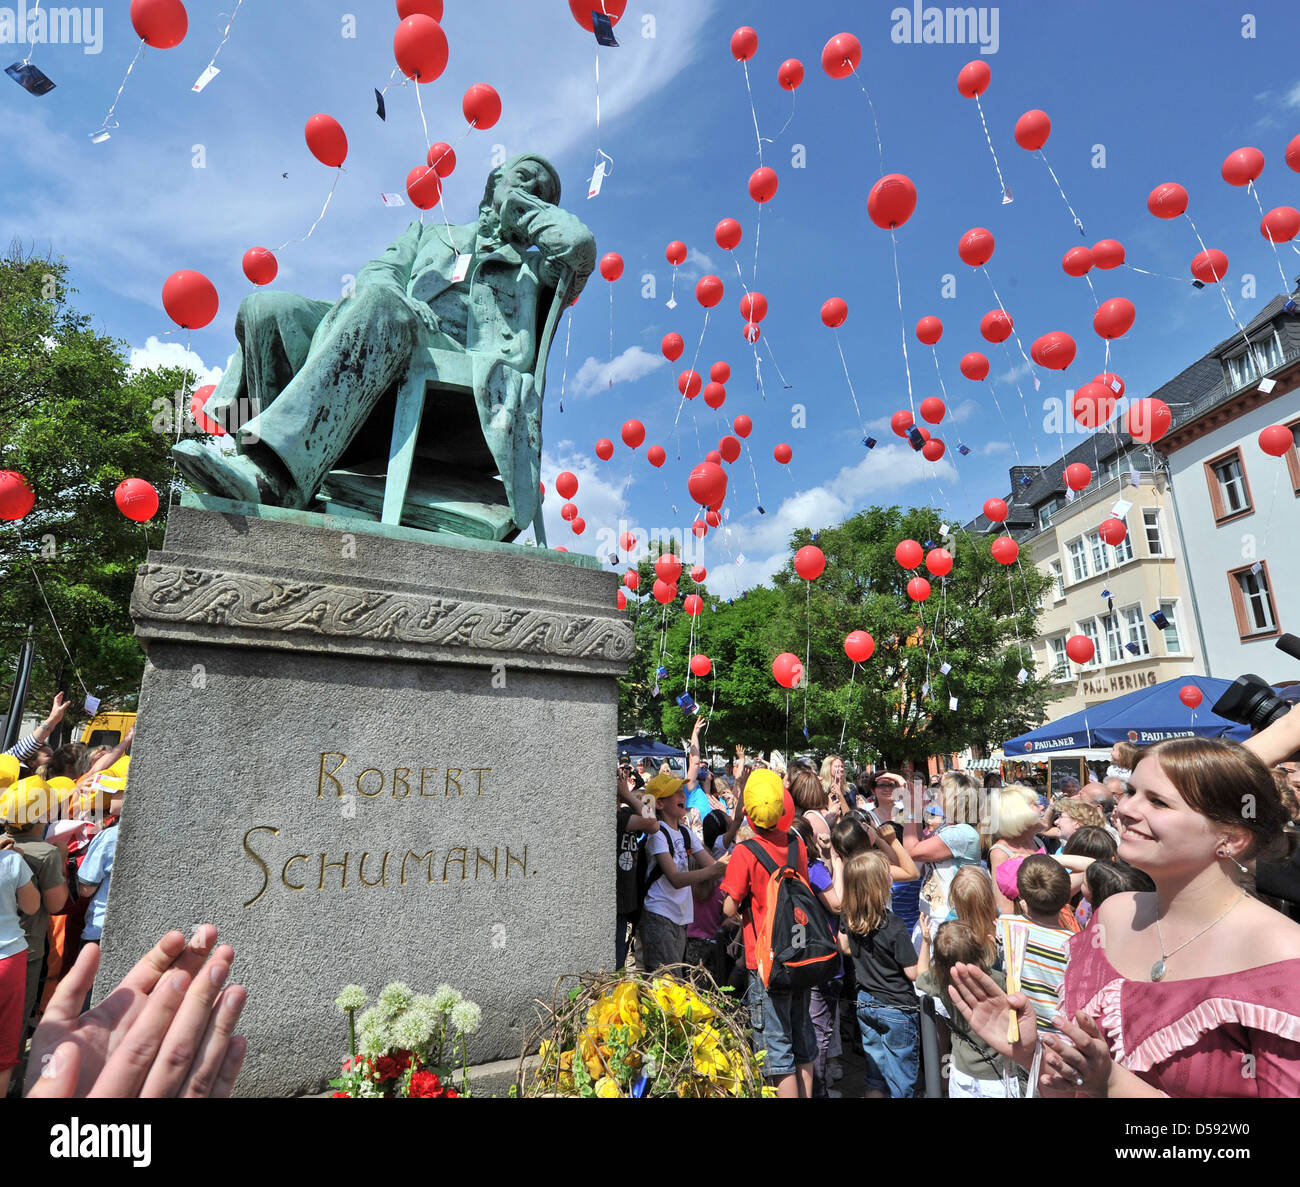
column 1168, row 93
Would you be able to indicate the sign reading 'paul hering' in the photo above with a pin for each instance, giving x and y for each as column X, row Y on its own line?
column 278, row 867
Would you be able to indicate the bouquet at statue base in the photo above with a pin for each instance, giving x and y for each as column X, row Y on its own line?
column 636, row 1036
column 406, row 1044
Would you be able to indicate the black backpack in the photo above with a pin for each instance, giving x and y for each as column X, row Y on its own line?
column 796, row 949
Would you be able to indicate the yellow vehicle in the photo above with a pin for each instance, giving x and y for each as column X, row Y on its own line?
column 107, row 729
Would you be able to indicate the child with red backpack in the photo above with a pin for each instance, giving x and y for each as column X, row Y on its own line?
column 788, row 944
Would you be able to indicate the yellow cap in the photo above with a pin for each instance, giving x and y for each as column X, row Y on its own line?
column 120, row 768
column 27, row 802
column 61, row 788
column 662, row 786
column 764, row 798
column 10, row 769
column 94, row 801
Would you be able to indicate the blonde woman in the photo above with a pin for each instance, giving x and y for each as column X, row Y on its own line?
column 1014, row 820
column 953, row 846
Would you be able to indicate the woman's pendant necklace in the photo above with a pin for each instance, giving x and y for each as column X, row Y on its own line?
column 1158, row 969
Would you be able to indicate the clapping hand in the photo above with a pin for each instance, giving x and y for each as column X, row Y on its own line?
column 988, row 1009
column 1077, row 1060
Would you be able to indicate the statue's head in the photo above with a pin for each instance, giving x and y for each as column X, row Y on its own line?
column 528, row 171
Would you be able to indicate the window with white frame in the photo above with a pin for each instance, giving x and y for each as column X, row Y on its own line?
column 1258, row 601
column 1078, row 560
column 1089, row 628
column 1155, row 538
column 1248, row 366
column 1100, row 561
column 1060, row 661
column 1232, row 484
column 1173, row 644
column 1123, row 551
column 1114, row 639
column 1137, row 629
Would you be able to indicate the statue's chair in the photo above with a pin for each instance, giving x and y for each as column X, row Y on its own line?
column 439, row 474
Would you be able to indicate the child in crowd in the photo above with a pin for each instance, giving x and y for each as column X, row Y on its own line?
column 631, row 821
column 1041, row 890
column 824, row 999
column 705, row 946
column 885, row 963
column 971, row 898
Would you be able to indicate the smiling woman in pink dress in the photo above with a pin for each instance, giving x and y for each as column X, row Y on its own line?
column 1193, row 990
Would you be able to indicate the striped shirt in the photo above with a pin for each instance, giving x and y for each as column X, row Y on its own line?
column 24, row 749
column 1047, row 953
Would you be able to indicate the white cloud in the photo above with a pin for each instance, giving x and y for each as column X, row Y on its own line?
column 601, row 503
column 995, row 447
column 1293, row 96
column 1015, row 373
column 156, row 353
column 962, row 412
column 595, row 376
column 699, row 263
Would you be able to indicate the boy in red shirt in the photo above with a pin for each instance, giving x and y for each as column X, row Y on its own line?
column 781, row 1022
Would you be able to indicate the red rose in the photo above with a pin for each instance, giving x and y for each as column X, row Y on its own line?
column 386, row 1069
column 348, row 1095
column 451, row 1092
column 425, row 1085
column 402, row 1059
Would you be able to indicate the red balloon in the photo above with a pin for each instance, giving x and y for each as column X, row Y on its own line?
column 763, row 183
column 689, row 384
column 976, row 246
column 841, row 55
column 742, row 426
column 708, row 292
column 260, row 265
column 675, row 253
column 1107, row 253
column 975, row 365
column 627, row 541
column 201, row 418
column 16, row 496
column 668, row 568
column 604, row 449
column 622, row 600
column 1032, row 130
column 783, row 453
column 664, row 592
column 701, row 665
column 859, row 646
column 698, row 574
column 633, row 433
column 908, row 554
column 1148, row 420
column 752, row 332
column 790, row 74
column 611, row 266
column 1077, row 261
column 713, row 456
column 973, row 78
column 632, row 579
column 656, row 456
column 810, row 562
column 1108, row 379
column 900, row 422
column 190, row 299
column 996, row 511
column 1113, row 531
column 707, row 484
column 939, row 562
column 700, row 528
column 1115, row 317
column 1293, row 153
column 1080, row 648
column 1093, row 405
column 933, row 449
column 1189, row 694
column 420, row 47
column 715, row 395
column 136, row 499
column 929, row 329
column 753, row 306
column 787, row 669
column 481, row 106
column 693, row 604
column 744, row 44
column 1243, row 166
column 996, row 325
column 582, row 10
column 925, row 433
column 443, row 158
column 326, row 140
column 566, row 485
column 918, row 589
column 835, row 312
column 729, row 447
column 1281, row 224
column 1054, row 350
column 727, row 234
column 1005, row 550
column 1210, row 266
column 569, row 512
column 1077, row 476
column 933, row 409
column 161, row 24
column 407, row 8
column 720, row 372
column 424, row 187
column 1276, row 440
column 891, row 201
column 672, row 347
column 1167, row 200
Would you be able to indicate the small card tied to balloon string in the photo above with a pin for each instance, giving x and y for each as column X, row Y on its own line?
column 211, row 70
column 603, row 28
column 109, row 125
column 31, row 78
column 604, row 162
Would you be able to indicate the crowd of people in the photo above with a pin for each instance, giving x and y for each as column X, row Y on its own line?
column 1133, row 936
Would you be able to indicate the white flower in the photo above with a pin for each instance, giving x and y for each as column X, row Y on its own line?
column 396, row 997
column 445, row 998
column 466, row 1017
column 374, row 1042
column 411, row 1030
column 351, row 997
column 372, row 1020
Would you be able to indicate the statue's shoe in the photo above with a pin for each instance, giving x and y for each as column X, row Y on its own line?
column 231, row 476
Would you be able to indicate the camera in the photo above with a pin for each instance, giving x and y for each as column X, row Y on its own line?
column 1251, row 701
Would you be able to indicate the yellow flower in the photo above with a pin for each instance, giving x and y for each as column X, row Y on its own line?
column 679, row 1001
column 620, row 1007
column 710, row 1059
column 591, row 1055
column 768, row 1092
column 607, row 1088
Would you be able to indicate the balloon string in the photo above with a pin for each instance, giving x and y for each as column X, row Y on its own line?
column 807, row 652
column 754, row 112
column 224, row 37
column 749, row 454
column 320, row 217
column 880, row 148
column 1095, row 299
column 793, row 96
column 934, row 350
column 672, row 297
column 611, row 338
column 1006, row 193
column 31, row 49
column 101, row 133
column 758, row 235
column 1078, row 222
column 682, row 402
column 849, row 380
column 389, row 83
column 564, row 376
column 758, row 370
column 1161, row 275
column 419, row 101
column 784, row 382
column 601, row 154
column 1286, row 285
column 690, row 651
column 898, row 286
column 1014, row 332
column 1227, row 301
column 844, row 729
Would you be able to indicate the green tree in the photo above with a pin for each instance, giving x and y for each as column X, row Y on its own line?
column 75, row 423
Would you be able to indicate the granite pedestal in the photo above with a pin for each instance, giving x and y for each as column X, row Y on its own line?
column 369, row 755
